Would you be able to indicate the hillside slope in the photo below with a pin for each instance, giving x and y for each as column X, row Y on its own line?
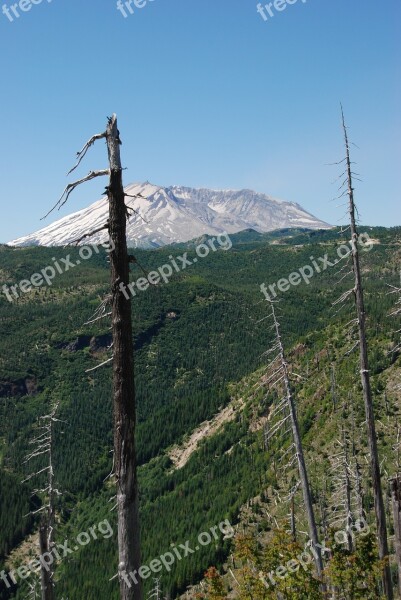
column 199, row 347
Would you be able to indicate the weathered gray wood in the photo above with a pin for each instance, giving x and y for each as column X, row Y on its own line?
column 293, row 524
column 347, row 491
column 123, row 377
column 46, row 579
column 395, row 487
column 365, row 379
column 303, row 474
column 44, row 445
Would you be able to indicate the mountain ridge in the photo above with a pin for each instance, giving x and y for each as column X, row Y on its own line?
column 164, row 215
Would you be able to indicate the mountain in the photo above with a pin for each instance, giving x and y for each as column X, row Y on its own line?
column 177, row 214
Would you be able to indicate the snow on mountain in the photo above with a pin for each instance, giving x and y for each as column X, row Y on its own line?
column 176, row 214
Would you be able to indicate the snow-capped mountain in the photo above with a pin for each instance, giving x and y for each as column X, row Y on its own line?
column 176, row 214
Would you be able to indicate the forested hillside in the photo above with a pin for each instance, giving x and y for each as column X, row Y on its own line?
column 200, row 343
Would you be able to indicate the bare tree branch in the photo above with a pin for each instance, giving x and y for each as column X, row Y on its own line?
column 76, row 242
column 72, row 186
column 89, row 143
column 106, row 362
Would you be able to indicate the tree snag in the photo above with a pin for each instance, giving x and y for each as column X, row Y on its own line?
column 122, row 359
column 395, row 486
column 46, row 573
column 288, row 403
column 44, row 445
column 365, row 379
column 123, row 376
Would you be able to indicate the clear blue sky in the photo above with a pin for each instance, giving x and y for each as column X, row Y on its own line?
column 207, row 94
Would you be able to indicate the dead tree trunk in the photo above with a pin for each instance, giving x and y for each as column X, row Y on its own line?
column 293, row 524
column 323, row 509
column 155, row 593
column 44, row 445
column 347, row 492
column 303, row 474
column 333, row 387
column 365, row 379
column 47, row 579
column 46, row 575
column 123, row 377
column 123, row 357
column 395, row 486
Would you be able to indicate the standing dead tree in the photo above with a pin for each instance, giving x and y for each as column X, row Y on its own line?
column 341, row 472
column 333, row 382
column 347, row 497
column 286, row 413
column 156, row 592
column 395, row 481
column 395, row 487
column 124, row 470
column 396, row 312
column 123, row 375
column 358, row 294
column 44, row 445
column 33, row 589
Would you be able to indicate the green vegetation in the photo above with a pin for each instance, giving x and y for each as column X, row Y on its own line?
column 199, row 342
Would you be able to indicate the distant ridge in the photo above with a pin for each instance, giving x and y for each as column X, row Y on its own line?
column 177, row 214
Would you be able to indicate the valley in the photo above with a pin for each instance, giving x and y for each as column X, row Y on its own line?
column 203, row 406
